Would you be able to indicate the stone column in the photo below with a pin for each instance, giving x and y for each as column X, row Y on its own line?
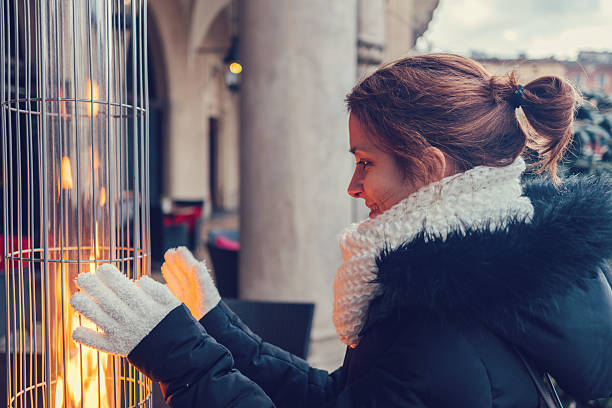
column 370, row 35
column 299, row 62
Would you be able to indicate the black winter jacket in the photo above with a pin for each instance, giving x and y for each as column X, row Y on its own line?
column 444, row 330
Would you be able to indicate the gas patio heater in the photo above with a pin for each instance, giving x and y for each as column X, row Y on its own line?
column 75, row 190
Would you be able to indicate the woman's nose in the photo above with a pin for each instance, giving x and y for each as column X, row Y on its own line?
column 355, row 188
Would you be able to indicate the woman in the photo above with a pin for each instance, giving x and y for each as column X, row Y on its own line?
column 460, row 278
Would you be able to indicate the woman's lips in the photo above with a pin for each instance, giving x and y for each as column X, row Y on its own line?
column 374, row 211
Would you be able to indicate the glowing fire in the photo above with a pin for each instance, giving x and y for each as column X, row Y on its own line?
column 92, row 257
column 102, row 196
column 84, row 371
column 66, row 173
column 96, row 160
column 93, row 93
column 86, row 377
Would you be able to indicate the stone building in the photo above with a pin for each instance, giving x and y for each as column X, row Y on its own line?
column 276, row 150
column 591, row 70
column 526, row 69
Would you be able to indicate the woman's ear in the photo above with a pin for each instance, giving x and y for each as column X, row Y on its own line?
column 440, row 165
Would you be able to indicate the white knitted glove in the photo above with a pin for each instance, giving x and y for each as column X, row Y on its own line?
column 190, row 281
column 126, row 311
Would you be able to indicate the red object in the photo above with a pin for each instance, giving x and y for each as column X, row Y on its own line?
column 226, row 243
column 13, row 246
column 187, row 216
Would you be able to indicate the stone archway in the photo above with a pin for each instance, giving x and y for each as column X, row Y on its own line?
column 202, row 18
column 186, row 173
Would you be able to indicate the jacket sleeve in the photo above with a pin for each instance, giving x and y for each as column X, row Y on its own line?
column 286, row 378
column 196, row 371
column 192, row 368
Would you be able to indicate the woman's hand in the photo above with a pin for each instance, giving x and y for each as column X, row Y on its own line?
column 125, row 310
column 190, row 281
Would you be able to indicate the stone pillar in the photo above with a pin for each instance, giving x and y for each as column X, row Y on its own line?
column 370, row 35
column 299, row 62
column 399, row 30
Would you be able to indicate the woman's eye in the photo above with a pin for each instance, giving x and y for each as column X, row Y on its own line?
column 363, row 163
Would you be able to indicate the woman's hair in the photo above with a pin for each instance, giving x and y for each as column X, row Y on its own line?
column 452, row 103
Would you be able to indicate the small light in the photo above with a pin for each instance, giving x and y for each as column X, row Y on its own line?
column 235, row 68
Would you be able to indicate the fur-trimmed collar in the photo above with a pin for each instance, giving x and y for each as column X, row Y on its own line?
column 483, row 273
column 481, row 197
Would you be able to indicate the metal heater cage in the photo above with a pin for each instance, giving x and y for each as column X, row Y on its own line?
column 75, row 188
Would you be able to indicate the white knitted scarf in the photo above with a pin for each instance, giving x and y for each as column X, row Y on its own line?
column 480, row 197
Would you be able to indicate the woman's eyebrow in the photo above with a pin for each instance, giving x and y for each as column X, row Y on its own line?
column 356, row 149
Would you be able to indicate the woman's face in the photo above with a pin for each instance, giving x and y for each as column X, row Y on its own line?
column 377, row 178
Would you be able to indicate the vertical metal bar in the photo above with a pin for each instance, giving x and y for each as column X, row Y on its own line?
column 111, row 50
column 92, row 128
column 30, row 205
column 147, row 141
column 119, row 231
column 43, row 111
column 62, row 201
column 106, row 184
column 135, row 164
column 27, row 187
column 78, row 170
column 10, row 276
column 123, row 184
column 20, row 221
column 111, row 159
column 125, row 163
column 6, row 186
column 76, row 126
column 93, row 174
column 20, row 301
column 143, row 199
column 45, row 381
column 142, row 119
column 41, row 216
column 122, row 173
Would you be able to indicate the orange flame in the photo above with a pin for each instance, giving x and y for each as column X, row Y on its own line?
column 96, row 254
column 96, row 160
column 82, row 367
column 66, row 173
column 102, row 196
column 85, row 378
column 93, row 93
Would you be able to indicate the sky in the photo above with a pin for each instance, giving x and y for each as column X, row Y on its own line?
column 507, row 28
